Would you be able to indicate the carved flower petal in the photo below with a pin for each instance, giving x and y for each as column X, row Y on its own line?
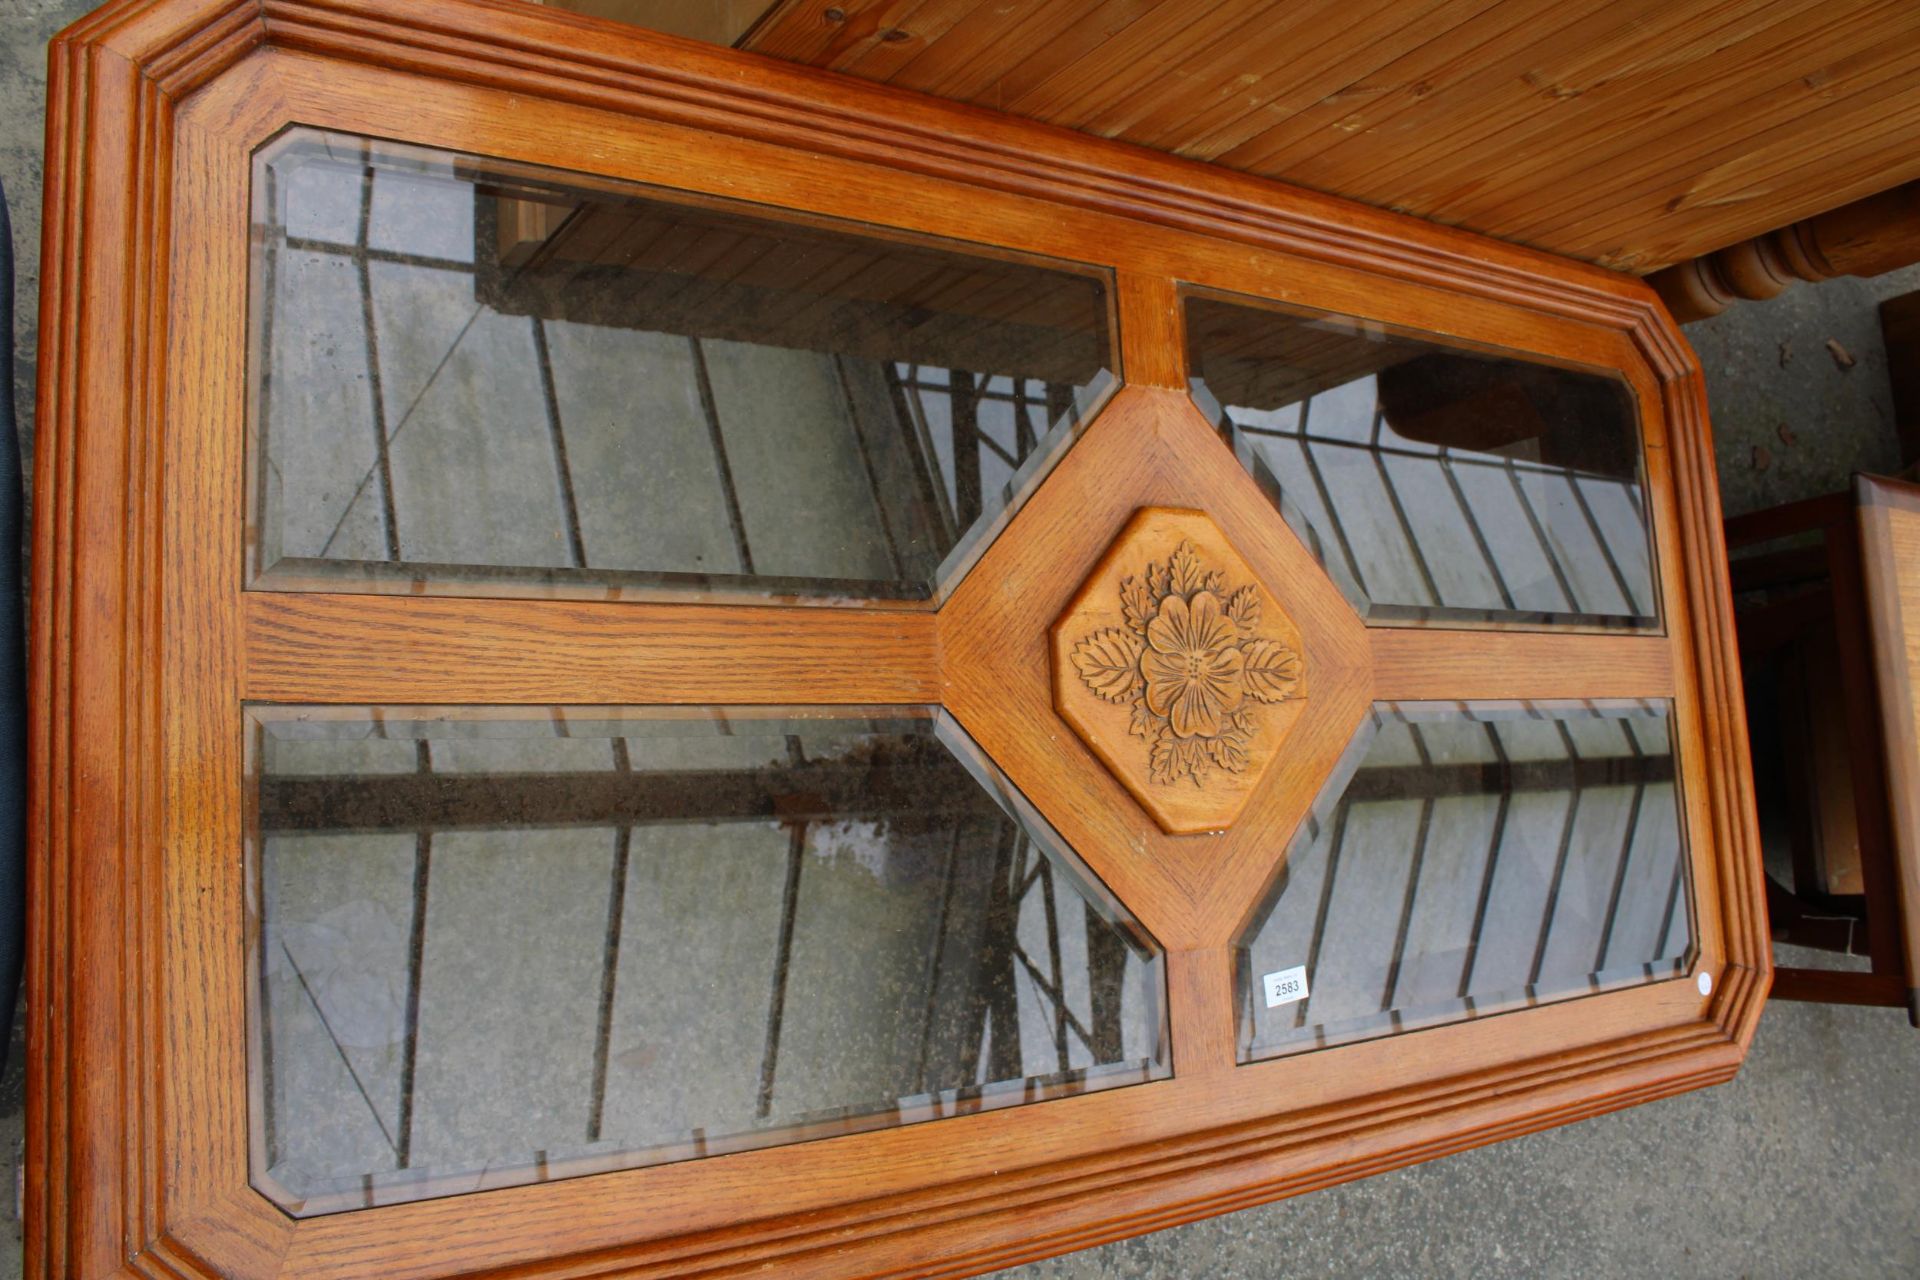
column 1224, row 670
column 1166, row 675
column 1208, row 627
column 1196, row 712
column 1168, row 630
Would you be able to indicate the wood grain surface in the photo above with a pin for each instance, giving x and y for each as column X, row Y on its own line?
column 146, row 646
column 1163, row 661
column 1633, row 134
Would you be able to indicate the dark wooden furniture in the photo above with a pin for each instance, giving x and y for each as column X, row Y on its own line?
column 1900, row 332
column 161, row 647
column 1828, row 635
column 13, row 699
column 1867, row 238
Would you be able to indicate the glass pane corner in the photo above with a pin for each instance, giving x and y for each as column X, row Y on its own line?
column 1436, row 484
column 472, row 376
column 496, row 946
column 1472, row 859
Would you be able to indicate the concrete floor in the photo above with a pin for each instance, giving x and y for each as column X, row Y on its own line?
column 1807, row 1164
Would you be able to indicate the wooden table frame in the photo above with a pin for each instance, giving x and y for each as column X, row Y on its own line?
column 145, row 646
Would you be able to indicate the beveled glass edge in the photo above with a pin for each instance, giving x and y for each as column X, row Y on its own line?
column 645, row 586
column 1428, row 616
column 1447, row 618
column 1461, row 1009
column 296, row 574
column 1390, row 1022
column 303, row 574
column 258, row 716
column 1020, row 487
column 1014, row 803
column 1431, row 617
column 403, row 1188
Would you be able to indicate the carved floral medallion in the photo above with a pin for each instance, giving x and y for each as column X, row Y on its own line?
column 1190, row 665
column 1179, row 669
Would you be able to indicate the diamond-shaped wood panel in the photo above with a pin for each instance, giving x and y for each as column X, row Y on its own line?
column 1150, row 449
column 1179, row 669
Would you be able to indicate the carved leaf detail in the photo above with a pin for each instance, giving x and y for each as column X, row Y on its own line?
column 1165, row 756
column 1272, row 670
column 1193, row 759
column 1229, row 752
column 1157, row 580
column 1137, row 602
column 1183, row 571
column 1109, row 662
column 1244, row 608
column 1145, row 723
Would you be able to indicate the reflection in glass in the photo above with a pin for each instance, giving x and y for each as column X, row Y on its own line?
column 498, row 947
column 1471, row 858
column 1434, row 484
column 482, row 376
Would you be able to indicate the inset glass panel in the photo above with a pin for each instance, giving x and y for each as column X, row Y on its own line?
column 493, row 378
column 1435, row 484
column 1469, row 859
column 495, row 947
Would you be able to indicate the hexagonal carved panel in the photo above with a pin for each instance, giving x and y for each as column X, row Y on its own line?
column 1179, row 670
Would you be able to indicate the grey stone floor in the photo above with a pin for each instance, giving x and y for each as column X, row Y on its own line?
column 1807, row 1164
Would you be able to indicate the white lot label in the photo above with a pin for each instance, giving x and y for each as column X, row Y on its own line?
column 1286, row 986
